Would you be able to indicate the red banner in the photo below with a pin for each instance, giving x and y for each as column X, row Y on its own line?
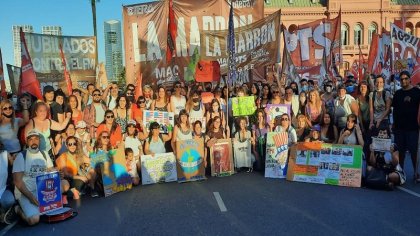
column 314, row 47
column 2, row 82
column 67, row 78
column 29, row 82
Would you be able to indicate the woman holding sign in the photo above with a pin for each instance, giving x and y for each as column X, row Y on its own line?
column 259, row 132
column 215, row 111
column 155, row 143
column 182, row 130
column 242, row 147
column 286, row 127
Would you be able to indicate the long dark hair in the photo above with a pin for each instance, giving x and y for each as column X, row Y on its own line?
column 363, row 82
column 127, row 102
column 98, row 143
column 183, row 112
column 330, row 130
column 114, row 123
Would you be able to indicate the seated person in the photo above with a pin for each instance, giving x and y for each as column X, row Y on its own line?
column 7, row 200
column 387, row 161
column 315, row 134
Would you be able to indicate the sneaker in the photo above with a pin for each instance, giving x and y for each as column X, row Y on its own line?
column 94, row 193
column 10, row 216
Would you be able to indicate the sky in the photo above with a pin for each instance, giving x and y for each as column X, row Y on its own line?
column 74, row 16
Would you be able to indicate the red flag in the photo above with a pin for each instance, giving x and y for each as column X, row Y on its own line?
column 138, row 92
column 2, row 82
column 170, row 50
column 373, row 52
column 29, row 82
column 66, row 73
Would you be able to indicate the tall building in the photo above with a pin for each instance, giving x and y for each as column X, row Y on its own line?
column 113, row 49
column 52, row 30
column 16, row 41
column 359, row 19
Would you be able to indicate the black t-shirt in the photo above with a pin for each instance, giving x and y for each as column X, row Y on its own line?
column 406, row 109
column 55, row 110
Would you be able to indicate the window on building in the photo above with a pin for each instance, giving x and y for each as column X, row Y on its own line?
column 373, row 29
column 344, row 34
column 358, row 34
column 112, row 37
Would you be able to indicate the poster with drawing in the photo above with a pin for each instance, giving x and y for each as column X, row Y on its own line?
column 276, row 155
column 273, row 111
column 162, row 118
column 190, row 160
column 221, row 159
column 160, row 168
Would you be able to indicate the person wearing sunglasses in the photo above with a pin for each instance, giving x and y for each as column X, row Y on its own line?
column 112, row 127
column 69, row 163
column 93, row 114
column 102, row 145
column 178, row 101
column 137, row 109
column 276, row 96
column 284, row 126
column 155, row 143
column 9, row 126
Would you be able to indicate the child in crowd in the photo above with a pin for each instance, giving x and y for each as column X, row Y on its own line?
column 132, row 166
column 83, row 136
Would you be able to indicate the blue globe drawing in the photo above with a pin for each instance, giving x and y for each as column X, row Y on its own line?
column 188, row 157
column 119, row 170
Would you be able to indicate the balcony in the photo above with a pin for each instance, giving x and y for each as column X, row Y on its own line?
column 354, row 49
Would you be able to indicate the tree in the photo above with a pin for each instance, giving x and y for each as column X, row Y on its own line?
column 121, row 78
column 93, row 6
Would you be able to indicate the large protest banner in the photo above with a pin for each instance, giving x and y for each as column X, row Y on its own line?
column 380, row 55
column 145, row 28
column 257, row 45
column 115, row 177
column 49, row 192
column 190, row 160
column 273, row 111
column 276, row 155
column 243, row 106
column 158, row 168
column 163, row 118
column 405, row 53
column 331, row 164
column 79, row 52
column 315, row 47
column 221, row 159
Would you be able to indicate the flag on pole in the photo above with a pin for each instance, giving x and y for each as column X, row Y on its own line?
column 29, row 82
column 231, row 48
column 139, row 91
column 66, row 73
column 2, row 82
column 170, row 50
column 361, row 64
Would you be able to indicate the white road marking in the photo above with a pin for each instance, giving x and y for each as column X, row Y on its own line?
column 220, row 201
column 408, row 191
column 7, row 228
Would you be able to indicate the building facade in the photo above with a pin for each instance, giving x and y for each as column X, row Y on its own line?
column 359, row 19
column 16, row 41
column 52, row 30
column 113, row 49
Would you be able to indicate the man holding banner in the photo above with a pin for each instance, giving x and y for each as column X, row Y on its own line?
column 27, row 165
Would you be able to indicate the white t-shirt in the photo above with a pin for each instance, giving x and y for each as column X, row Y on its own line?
column 34, row 165
column 111, row 102
column 179, row 104
column 134, row 144
column 100, row 113
column 3, row 171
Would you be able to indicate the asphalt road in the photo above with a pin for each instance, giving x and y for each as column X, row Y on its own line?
column 255, row 206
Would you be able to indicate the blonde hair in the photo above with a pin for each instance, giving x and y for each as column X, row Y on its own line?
column 3, row 103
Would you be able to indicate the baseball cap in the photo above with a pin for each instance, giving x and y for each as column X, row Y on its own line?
column 80, row 124
column 316, row 128
column 131, row 122
column 48, row 89
column 32, row 133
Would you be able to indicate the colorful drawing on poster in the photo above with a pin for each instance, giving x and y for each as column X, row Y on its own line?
column 333, row 164
column 162, row 118
column 115, row 177
column 158, row 168
column 273, row 111
column 276, row 155
column 221, row 158
column 49, row 192
column 190, row 160
column 243, row 106
column 97, row 158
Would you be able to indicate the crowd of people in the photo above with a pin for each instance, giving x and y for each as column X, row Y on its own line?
column 62, row 132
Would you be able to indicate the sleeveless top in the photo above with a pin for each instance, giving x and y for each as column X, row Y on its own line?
column 329, row 104
column 157, row 147
column 164, row 108
column 9, row 136
column 179, row 104
column 181, row 135
column 342, row 111
column 197, row 114
column 218, row 134
column 313, row 114
column 122, row 121
column 44, row 142
column 351, row 139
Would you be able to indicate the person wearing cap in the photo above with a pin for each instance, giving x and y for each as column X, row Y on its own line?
column 7, row 200
column 25, row 169
column 344, row 105
column 314, row 135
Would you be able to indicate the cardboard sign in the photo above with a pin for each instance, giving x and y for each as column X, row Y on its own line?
column 221, row 158
column 190, row 160
column 49, row 192
column 161, row 117
column 158, row 169
column 206, row 97
column 273, row 111
column 331, row 164
column 243, row 106
column 276, row 155
column 381, row 144
column 207, row 71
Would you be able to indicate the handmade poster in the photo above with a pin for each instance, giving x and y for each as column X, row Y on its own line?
column 49, row 192
column 221, row 158
column 158, row 168
column 190, row 160
column 161, row 117
column 381, row 144
column 115, row 177
column 332, row 164
column 276, row 155
column 202, row 120
column 243, row 106
column 97, row 158
column 206, row 97
column 276, row 110
column 242, row 154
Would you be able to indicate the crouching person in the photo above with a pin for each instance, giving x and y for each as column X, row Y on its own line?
column 384, row 170
column 27, row 165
